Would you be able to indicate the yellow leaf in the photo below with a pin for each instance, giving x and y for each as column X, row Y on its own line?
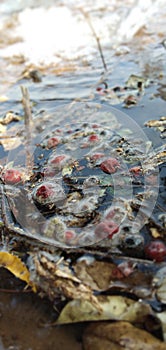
column 15, row 266
column 112, row 308
column 154, row 232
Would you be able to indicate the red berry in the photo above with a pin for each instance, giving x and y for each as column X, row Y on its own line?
column 48, row 193
column 106, row 229
column 114, row 228
column 57, row 160
column 95, row 126
column 126, row 267
column 96, row 156
column 47, row 172
column 99, row 88
column 110, row 214
column 136, row 170
column 93, row 138
column 117, row 274
column 69, row 235
column 44, row 191
column 110, row 165
column 52, row 142
column 156, row 250
column 12, row 176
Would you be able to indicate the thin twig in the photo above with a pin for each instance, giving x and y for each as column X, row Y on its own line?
column 28, row 127
column 95, row 36
column 8, row 137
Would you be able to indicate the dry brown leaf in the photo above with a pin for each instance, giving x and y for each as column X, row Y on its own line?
column 98, row 275
column 161, row 291
column 57, row 280
column 119, row 336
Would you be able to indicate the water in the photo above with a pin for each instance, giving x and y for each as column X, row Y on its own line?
column 58, row 41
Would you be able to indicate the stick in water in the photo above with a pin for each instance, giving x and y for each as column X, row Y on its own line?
column 95, row 36
column 28, row 128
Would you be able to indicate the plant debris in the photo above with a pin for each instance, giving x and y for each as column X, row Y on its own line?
column 119, row 336
column 160, row 125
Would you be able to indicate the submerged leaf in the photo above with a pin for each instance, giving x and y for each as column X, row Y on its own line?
column 119, row 336
column 160, row 125
column 162, row 317
column 98, row 275
column 161, row 292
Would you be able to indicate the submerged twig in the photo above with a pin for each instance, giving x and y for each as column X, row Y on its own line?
column 28, row 127
column 95, row 36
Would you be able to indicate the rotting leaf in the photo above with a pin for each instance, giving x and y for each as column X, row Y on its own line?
column 15, row 266
column 119, row 336
column 97, row 275
column 134, row 81
column 161, row 291
column 56, row 279
column 10, row 143
column 160, row 125
column 162, row 318
column 154, row 232
column 112, row 308
column 10, row 117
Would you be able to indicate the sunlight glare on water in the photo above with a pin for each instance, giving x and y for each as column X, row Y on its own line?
column 48, row 34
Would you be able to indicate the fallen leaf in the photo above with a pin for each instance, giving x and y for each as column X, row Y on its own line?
column 154, row 232
column 98, row 275
column 10, row 117
column 159, row 125
column 15, row 266
column 112, row 308
column 10, row 143
column 156, row 123
column 57, row 280
column 134, row 80
column 162, row 317
column 119, row 336
column 161, row 291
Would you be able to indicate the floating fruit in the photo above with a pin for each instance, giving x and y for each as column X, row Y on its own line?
column 106, row 229
column 93, row 138
column 156, row 250
column 110, row 165
column 57, row 162
column 52, row 142
column 48, row 192
column 12, row 176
